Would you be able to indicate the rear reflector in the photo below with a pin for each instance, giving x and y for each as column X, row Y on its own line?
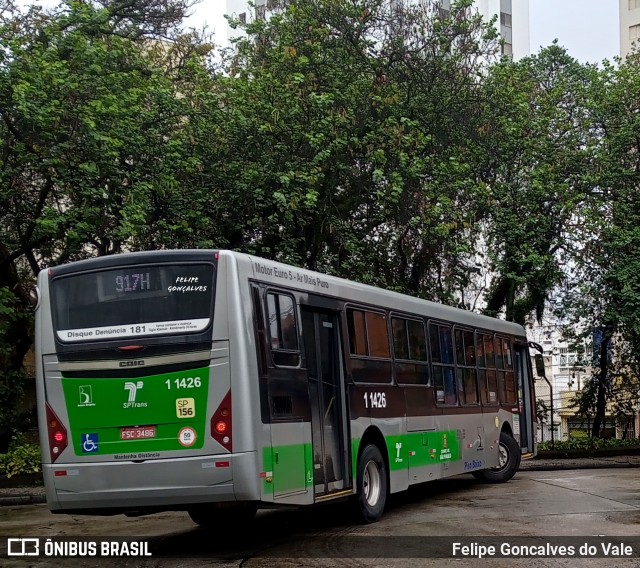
column 57, row 434
column 221, row 423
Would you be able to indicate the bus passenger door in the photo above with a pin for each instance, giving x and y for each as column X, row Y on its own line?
column 321, row 344
column 525, row 403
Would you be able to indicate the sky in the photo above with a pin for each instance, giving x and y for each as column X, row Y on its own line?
column 587, row 28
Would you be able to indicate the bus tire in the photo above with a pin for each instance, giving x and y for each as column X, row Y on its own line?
column 372, row 484
column 221, row 516
column 510, row 456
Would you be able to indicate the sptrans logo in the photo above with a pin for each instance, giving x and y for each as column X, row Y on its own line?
column 133, row 389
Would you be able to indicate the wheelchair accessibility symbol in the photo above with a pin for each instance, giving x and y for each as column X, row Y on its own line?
column 89, row 443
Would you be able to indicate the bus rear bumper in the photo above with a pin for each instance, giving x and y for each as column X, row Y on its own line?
column 160, row 484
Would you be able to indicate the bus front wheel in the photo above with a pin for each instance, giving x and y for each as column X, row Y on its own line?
column 509, row 462
column 372, row 484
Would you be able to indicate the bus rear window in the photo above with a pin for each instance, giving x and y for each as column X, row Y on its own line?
column 132, row 301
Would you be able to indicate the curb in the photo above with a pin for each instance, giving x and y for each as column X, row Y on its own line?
column 16, row 500
column 532, row 466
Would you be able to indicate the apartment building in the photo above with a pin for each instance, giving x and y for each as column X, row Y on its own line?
column 512, row 19
column 629, row 26
column 568, row 368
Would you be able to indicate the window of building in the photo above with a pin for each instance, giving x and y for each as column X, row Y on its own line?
column 507, row 49
column 242, row 18
column 634, row 32
column 634, row 4
column 442, row 357
column 410, row 351
column 261, row 12
column 505, row 19
column 369, row 346
column 283, row 330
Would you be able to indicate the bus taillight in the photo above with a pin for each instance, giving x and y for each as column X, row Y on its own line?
column 221, row 423
column 57, row 434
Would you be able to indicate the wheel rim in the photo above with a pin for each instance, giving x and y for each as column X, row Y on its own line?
column 371, row 483
column 503, row 457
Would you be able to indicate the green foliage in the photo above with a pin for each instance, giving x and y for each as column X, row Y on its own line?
column 539, row 152
column 15, row 321
column 345, row 153
column 88, row 111
column 21, row 458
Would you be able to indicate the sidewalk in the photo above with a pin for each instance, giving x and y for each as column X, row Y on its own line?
column 579, row 463
column 33, row 494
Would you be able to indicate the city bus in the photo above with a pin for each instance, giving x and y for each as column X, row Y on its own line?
column 217, row 383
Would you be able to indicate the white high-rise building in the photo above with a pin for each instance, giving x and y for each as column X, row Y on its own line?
column 629, row 26
column 512, row 23
column 512, row 20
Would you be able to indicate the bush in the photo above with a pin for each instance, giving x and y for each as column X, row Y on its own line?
column 21, row 458
column 580, row 443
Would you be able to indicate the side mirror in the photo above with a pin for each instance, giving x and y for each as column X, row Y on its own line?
column 539, row 364
column 34, row 297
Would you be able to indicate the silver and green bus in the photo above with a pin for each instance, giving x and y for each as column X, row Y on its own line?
column 204, row 380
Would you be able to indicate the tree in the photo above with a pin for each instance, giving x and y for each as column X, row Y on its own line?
column 339, row 139
column 538, row 155
column 86, row 115
column 603, row 292
column 542, row 412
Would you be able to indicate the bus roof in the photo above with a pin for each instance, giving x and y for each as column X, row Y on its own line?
column 284, row 275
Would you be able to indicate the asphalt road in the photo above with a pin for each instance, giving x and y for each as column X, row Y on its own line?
column 548, row 508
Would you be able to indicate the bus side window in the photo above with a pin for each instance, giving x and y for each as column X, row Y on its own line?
column 410, row 351
column 466, row 366
column 283, row 330
column 506, row 378
column 487, row 378
column 369, row 346
column 444, row 378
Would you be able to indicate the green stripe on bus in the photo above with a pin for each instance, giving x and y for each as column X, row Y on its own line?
column 416, row 449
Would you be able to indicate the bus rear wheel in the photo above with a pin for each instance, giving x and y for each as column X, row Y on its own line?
column 372, row 484
column 510, row 456
column 222, row 516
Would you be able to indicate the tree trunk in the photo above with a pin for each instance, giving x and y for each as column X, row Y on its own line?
column 601, row 399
